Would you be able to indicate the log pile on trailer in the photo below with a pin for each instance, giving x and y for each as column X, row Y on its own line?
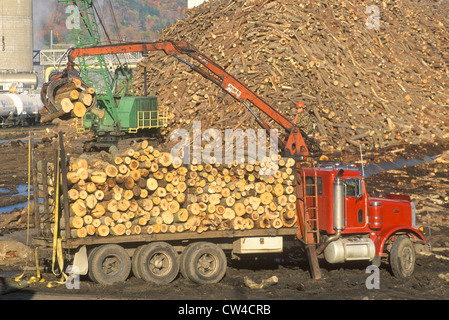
column 142, row 190
column 363, row 84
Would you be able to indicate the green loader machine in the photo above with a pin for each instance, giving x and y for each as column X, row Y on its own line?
column 102, row 100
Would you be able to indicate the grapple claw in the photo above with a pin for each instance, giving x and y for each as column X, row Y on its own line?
column 54, row 96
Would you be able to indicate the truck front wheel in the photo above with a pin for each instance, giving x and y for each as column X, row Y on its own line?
column 109, row 264
column 402, row 257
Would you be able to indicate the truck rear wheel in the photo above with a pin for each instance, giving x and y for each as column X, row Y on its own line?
column 158, row 262
column 204, row 262
column 402, row 257
column 134, row 262
column 109, row 264
column 89, row 261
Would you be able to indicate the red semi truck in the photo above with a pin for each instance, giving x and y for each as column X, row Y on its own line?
column 337, row 221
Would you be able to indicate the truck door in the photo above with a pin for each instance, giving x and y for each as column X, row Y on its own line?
column 355, row 203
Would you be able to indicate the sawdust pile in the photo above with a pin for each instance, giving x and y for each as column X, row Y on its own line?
column 374, row 73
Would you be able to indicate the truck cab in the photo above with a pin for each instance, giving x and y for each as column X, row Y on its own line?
column 354, row 226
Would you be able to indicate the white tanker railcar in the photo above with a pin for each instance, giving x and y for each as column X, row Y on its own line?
column 19, row 109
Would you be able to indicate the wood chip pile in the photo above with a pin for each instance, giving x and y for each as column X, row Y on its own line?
column 365, row 80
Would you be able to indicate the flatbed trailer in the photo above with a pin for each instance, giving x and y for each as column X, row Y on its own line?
column 200, row 257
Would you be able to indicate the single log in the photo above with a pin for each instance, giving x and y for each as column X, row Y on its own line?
column 264, row 222
column 112, row 206
column 79, row 109
column 73, row 194
column 277, row 223
column 123, row 205
column 73, row 177
column 181, row 216
column 98, row 211
column 239, row 209
column 228, row 214
column 81, row 232
column 266, row 198
column 118, row 230
column 66, row 105
column 103, row 231
column 76, row 222
column 90, row 230
column 152, row 184
column 165, row 159
column 85, row 98
column 167, row 217
column 91, row 201
column 237, row 223
column 78, row 208
column 98, row 177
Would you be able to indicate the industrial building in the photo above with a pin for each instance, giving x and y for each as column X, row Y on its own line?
column 19, row 101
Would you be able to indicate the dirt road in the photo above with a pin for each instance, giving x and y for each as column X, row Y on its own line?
column 351, row 282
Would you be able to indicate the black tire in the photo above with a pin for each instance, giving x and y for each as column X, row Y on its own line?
column 134, row 262
column 158, row 263
column 183, row 261
column 89, row 261
column 402, row 257
column 204, row 262
column 109, row 264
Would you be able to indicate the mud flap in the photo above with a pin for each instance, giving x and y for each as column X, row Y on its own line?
column 80, row 261
column 422, row 247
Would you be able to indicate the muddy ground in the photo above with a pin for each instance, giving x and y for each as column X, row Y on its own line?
column 429, row 282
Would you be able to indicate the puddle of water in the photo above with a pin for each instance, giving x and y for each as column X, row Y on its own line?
column 10, row 208
column 22, row 190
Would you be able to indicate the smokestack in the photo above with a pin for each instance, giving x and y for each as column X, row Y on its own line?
column 16, row 36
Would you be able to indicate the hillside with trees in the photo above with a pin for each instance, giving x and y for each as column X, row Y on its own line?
column 136, row 20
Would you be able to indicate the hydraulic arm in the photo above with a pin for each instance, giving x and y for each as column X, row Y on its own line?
column 294, row 144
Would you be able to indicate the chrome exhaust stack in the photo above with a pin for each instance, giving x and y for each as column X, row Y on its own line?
column 338, row 210
column 338, row 202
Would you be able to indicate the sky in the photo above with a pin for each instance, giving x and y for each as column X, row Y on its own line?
column 41, row 10
column 194, row 3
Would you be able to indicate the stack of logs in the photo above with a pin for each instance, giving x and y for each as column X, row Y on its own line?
column 371, row 74
column 72, row 101
column 142, row 190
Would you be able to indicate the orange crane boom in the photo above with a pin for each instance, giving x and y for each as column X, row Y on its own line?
column 294, row 145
